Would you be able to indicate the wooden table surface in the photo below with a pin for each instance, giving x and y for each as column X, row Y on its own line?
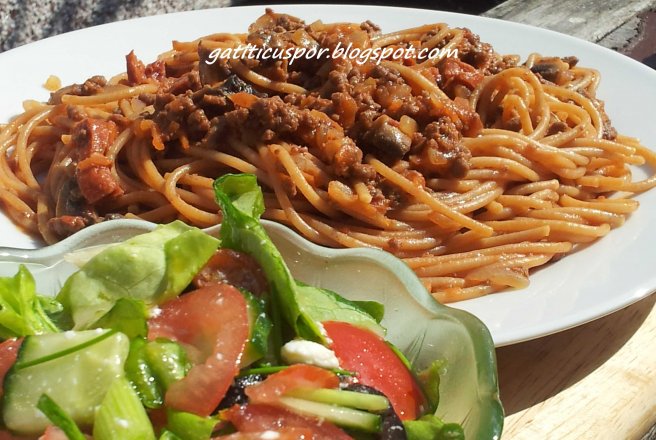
column 596, row 381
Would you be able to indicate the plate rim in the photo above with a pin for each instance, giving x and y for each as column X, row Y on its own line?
column 502, row 337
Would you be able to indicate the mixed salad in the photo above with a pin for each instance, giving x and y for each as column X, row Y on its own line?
column 175, row 334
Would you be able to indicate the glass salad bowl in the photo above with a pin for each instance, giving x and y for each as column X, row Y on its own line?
column 422, row 328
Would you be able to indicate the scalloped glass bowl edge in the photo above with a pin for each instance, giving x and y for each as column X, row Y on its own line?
column 421, row 327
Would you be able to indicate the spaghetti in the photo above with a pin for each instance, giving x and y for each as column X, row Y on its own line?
column 473, row 169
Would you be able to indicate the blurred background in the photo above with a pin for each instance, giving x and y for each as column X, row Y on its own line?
column 23, row 21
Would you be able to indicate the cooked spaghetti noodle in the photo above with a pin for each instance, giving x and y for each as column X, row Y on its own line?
column 473, row 169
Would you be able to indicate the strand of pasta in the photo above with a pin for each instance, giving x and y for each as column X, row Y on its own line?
column 8, row 178
column 301, row 183
column 293, row 217
column 20, row 149
column 421, row 195
column 121, row 92
column 174, row 197
column 263, row 81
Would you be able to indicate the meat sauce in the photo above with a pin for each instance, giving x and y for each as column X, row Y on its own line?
column 350, row 110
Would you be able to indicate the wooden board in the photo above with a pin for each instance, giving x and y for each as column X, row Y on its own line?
column 597, row 381
column 588, row 19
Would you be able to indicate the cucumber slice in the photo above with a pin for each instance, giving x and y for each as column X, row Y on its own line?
column 167, row 360
column 121, row 415
column 190, row 426
column 260, row 327
column 339, row 415
column 141, row 375
column 351, row 399
column 74, row 368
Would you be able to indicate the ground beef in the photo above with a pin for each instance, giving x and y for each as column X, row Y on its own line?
column 437, row 150
column 75, row 113
column 555, row 127
column 278, row 32
column 275, row 23
column 190, row 112
column 386, row 76
column 370, row 28
column 173, row 114
column 189, row 81
column 93, row 85
column 482, row 56
column 271, row 119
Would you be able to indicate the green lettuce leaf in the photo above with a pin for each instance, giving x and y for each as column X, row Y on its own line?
column 152, row 267
column 21, row 309
column 128, row 316
column 303, row 307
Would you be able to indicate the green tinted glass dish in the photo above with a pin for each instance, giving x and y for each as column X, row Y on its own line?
column 422, row 328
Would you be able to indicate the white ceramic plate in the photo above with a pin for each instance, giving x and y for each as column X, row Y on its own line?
column 595, row 281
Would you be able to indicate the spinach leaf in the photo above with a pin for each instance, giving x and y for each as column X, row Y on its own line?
column 242, row 204
column 321, row 305
column 375, row 309
column 302, row 306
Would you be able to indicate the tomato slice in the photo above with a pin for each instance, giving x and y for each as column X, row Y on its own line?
column 235, row 268
column 257, row 418
column 376, row 365
column 296, row 376
column 214, row 321
column 53, row 433
column 8, row 353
